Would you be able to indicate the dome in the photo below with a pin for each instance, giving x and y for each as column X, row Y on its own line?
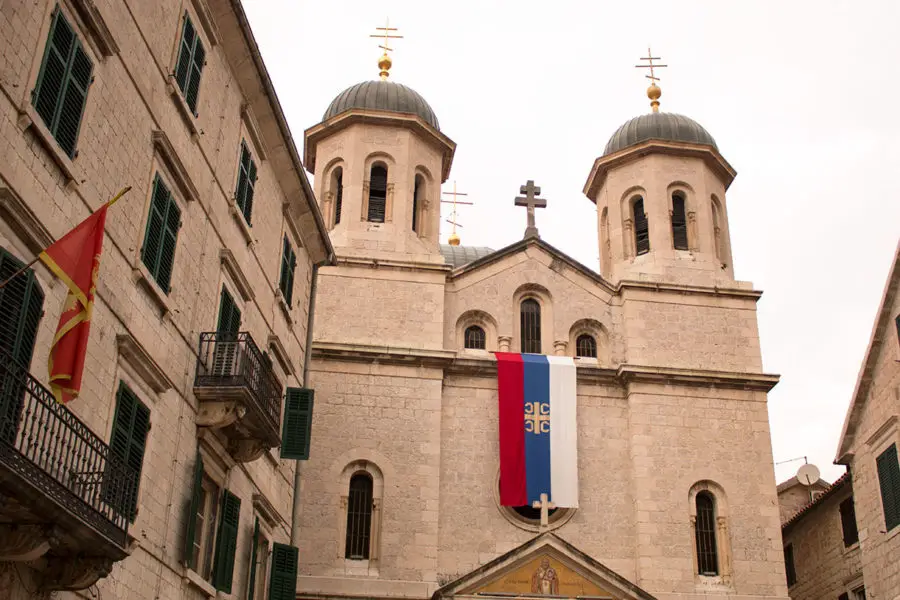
column 669, row 127
column 382, row 95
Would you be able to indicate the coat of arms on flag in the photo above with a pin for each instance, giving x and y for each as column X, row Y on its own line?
column 538, row 434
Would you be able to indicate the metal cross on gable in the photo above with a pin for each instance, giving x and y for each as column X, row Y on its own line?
column 530, row 202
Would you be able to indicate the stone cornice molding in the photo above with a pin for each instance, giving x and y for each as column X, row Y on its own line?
column 131, row 351
column 400, row 265
column 735, row 292
column 226, row 257
column 163, row 146
column 96, row 26
column 30, row 228
column 204, row 15
column 267, row 511
column 455, row 364
column 281, row 354
column 253, row 130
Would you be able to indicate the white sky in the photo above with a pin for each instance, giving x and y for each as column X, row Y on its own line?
column 800, row 97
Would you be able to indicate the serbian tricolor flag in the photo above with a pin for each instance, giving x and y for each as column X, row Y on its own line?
column 75, row 259
column 538, row 435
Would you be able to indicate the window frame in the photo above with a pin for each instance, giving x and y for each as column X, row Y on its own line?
column 337, row 189
column 165, row 231
column 366, row 516
column 371, row 191
column 790, row 569
column 483, row 338
column 706, row 534
column 847, row 511
column 679, row 221
column 245, row 187
column 890, row 507
column 644, row 232
column 593, row 342
column 287, row 271
column 184, row 87
column 527, row 345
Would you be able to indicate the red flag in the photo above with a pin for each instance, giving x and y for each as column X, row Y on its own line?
column 75, row 258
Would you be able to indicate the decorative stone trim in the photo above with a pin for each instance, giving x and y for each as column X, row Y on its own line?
column 557, row 519
column 401, row 265
column 281, row 354
column 29, row 119
column 28, row 226
column 252, row 129
column 240, row 221
column 560, row 347
column 193, row 578
column 96, row 26
column 241, row 283
column 24, row 542
column 292, row 223
column 217, row 415
column 140, row 274
column 163, row 146
column 204, row 16
column 131, row 351
column 267, row 511
column 75, row 572
column 284, row 306
column 187, row 115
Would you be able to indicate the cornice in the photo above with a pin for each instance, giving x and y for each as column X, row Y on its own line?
column 175, row 165
column 400, row 265
column 454, row 364
column 689, row 289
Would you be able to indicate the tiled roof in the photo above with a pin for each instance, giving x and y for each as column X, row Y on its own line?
column 837, row 485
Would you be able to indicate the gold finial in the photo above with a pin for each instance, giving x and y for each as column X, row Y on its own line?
column 653, row 92
column 453, row 240
column 384, row 63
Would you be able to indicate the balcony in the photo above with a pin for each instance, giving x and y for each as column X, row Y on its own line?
column 64, row 498
column 239, row 393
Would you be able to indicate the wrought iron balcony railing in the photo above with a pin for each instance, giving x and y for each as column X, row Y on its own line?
column 47, row 453
column 232, row 365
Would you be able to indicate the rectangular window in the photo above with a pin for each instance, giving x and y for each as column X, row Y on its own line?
column 207, row 510
column 226, row 542
column 641, row 228
column 259, row 564
column 789, row 565
column 62, row 85
column 131, row 424
column 848, row 522
column 283, row 578
column 889, row 480
column 189, row 67
column 288, row 266
column 297, row 427
column 243, row 195
column 859, row 593
column 163, row 224
column 679, row 223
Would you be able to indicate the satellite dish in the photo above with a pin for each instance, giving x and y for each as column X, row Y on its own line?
column 808, row 474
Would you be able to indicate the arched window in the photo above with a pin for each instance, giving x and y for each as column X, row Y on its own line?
column 605, row 258
column 586, row 346
column 679, row 222
column 337, row 189
column 707, row 555
column 717, row 227
column 641, row 227
column 531, row 326
column 359, row 517
column 474, row 338
column 377, row 193
column 418, row 190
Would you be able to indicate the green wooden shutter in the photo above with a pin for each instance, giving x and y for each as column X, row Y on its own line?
column 185, row 50
column 229, row 314
column 198, row 60
column 172, row 224
column 286, row 279
column 226, row 542
column 128, row 441
column 248, row 195
column 193, row 507
column 283, row 578
column 61, row 90
column 889, row 480
column 246, row 181
column 297, row 427
column 641, row 228
column 161, row 236
column 251, row 584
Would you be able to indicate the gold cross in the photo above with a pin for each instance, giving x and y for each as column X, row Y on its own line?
column 454, row 202
column 653, row 92
column 537, row 417
column 545, row 505
column 385, row 62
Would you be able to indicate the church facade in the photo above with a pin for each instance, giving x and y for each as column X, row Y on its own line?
column 399, row 498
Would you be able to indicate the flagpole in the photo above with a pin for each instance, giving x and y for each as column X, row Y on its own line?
column 3, row 283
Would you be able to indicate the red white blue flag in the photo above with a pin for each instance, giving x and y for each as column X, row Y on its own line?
column 538, row 435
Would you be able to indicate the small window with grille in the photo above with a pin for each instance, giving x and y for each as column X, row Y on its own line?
column 586, row 346
column 679, row 222
column 359, row 517
column 377, row 193
column 707, row 555
column 641, row 227
column 531, row 326
column 474, row 338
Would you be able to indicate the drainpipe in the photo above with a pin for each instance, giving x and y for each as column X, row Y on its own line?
column 295, row 511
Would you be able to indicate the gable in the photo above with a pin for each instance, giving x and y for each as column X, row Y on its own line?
column 544, row 566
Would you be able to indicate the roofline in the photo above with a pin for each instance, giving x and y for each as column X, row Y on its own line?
column 793, row 481
column 285, row 130
column 808, row 509
column 412, row 121
column 864, row 379
column 607, row 162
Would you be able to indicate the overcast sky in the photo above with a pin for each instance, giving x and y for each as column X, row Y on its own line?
column 800, row 97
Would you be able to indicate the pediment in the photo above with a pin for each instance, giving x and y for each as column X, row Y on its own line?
column 545, row 566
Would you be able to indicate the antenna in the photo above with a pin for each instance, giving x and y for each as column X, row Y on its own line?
column 808, row 474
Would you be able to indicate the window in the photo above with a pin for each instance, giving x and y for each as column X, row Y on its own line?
column 131, row 424
column 474, row 338
column 641, row 228
column 586, row 346
column 531, row 326
column 679, row 222
column 707, row 556
column 418, row 190
column 297, row 426
column 359, row 517
column 259, row 564
column 377, row 193
column 243, row 195
column 226, row 357
column 21, row 308
column 62, row 85
column 848, row 522
column 283, row 581
column 858, row 593
column 288, row 266
column 897, row 323
column 229, row 314
column 337, row 186
column 889, row 480
column 789, row 565
column 717, row 227
column 163, row 223
column 211, row 540
column 191, row 60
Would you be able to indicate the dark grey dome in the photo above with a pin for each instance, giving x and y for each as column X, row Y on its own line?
column 382, row 95
column 457, row 256
column 668, row 127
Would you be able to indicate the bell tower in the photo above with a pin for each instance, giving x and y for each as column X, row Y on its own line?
column 379, row 159
column 660, row 190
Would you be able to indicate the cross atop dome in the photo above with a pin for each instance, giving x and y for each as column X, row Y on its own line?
column 653, row 92
column 384, row 63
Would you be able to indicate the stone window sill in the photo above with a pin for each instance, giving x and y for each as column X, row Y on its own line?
column 238, row 217
column 141, row 274
column 30, row 119
column 187, row 115
column 361, row 568
column 892, row 533
column 285, row 307
column 193, row 578
column 851, row 548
